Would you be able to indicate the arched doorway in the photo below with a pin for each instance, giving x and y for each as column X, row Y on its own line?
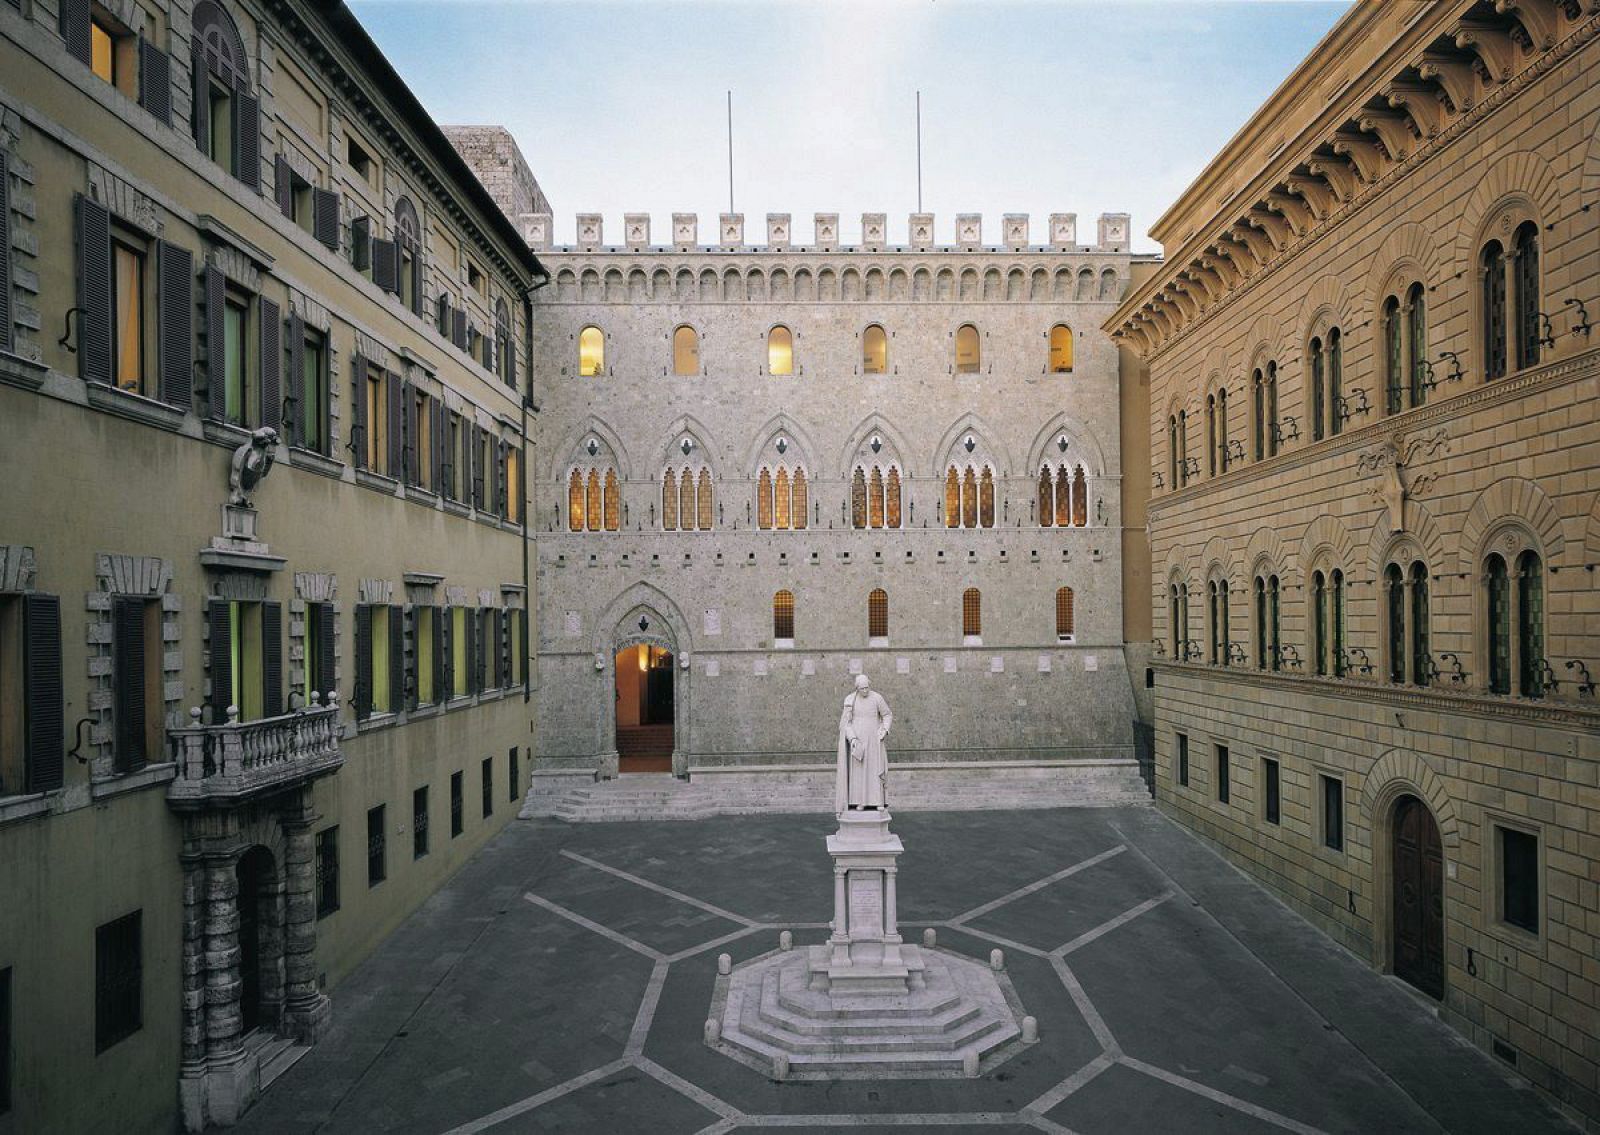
column 645, row 708
column 255, row 876
column 1418, row 897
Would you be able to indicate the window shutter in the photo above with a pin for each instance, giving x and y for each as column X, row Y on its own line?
column 458, row 328
column 444, row 316
column 282, row 187
column 272, row 657
column 295, row 381
column 155, row 81
column 488, row 352
column 480, row 657
column 6, row 331
column 502, row 479
column 325, row 648
column 175, row 323
column 363, row 662
column 216, row 298
column 396, row 429
column 477, row 468
column 200, row 106
column 247, row 138
column 361, row 243
column 270, row 337
column 325, row 217
column 436, row 431
column 221, row 660
column 441, row 653
column 127, row 682
column 502, row 634
column 94, row 290
column 511, row 362
column 397, row 657
column 471, row 653
column 44, row 726
column 445, row 664
column 358, row 413
column 74, row 22
column 386, row 265
column 408, row 434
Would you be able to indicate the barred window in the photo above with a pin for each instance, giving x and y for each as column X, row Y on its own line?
column 669, row 500
column 703, row 499
column 783, row 616
column 952, row 498
column 858, row 498
column 613, row 502
column 878, row 613
column 1064, row 630
column 971, row 612
column 327, row 871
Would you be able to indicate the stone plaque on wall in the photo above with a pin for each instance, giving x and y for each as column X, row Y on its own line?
column 713, row 668
column 713, row 623
column 902, row 665
column 1091, row 663
column 573, row 625
column 866, row 904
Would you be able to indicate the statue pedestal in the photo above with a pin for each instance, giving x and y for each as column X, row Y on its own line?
column 865, row 953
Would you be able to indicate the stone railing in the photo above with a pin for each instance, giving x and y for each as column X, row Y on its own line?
column 222, row 764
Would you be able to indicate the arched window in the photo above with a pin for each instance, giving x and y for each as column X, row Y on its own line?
column 1405, row 350
column 986, row 498
column 1319, row 622
column 875, row 498
column 1417, row 341
column 686, row 511
column 1394, row 376
column 225, row 112
column 591, row 352
column 968, row 354
column 1525, row 265
column 1263, row 649
column 797, row 490
column 1183, row 447
column 952, row 498
column 971, row 613
column 1080, row 498
column 1497, row 588
column 764, row 499
column 1531, row 662
column 1421, row 650
column 1336, row 622
column 1179, row 618
column 1046, row 502
column 505, row 346
column 1211, row 435
column 874, row 350
column 1222, row 428
column 969, row 498
column 1258, row 397
column 1217, row 598
column 575, row 501
column 778, row 515
column 1335, row 369
column 1063, row 496
column 408, row 251
column 1272, row 408
column 878, row 613
column 1064, row 613
column 780, row 350
column 1061, row 349
column 891, row 494
column 1395, row 621
column 1274, row 638
column 783, row 616
column 613, row 502
column 858, row 498
column 1319, row 392
column 1492, row 265
column 592, row 507
column 702, row 495
column 669, row 501
column 685, row 351
column 1173, row 458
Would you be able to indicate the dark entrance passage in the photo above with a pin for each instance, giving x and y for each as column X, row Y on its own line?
column 1418, row 897
column 645, row 708
column 254, row 874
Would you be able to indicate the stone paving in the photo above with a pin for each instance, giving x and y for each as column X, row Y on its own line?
column 561, row 983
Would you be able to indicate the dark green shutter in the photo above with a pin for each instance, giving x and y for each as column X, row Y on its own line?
column 175, row 323
column 215, row 288
column 441, row 687
column 221, row 660
column 74, row 23
column 155, row 81
column 247, row 138
column 358, row 413
column 397, row 658
column 282, row 186
column 392, row 386
column 412, row 678
column 6, row 331
column 436, row 432
column 407, row 471
column 272, row 657
column 295, row 381
column 325, row 217
column 442, row 640
column 94, row 291
column 470, row 621
column 363, row 662
column 270, row 339
column 44, row 725
column 477, row 468
column 361, row 243
column 127, row 682
column 386, row 265
column 200, row 89
column 326, row 662
column 458, row 328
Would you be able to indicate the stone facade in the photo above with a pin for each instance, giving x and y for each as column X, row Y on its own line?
column 745, row 695
column 1451, row 489
column 493, row 155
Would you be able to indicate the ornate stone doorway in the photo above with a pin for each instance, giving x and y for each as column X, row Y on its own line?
column 1418, row 897
column 646, row 707
column 260, row 940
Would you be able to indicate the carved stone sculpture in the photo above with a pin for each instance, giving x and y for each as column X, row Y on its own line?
column 252, row 461
column 863, row 769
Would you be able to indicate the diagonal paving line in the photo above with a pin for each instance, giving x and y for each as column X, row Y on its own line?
column 699, row 1095
column 888, row 1119
column 566, row 1087
column 720, row 1127
column 1008, row 943
column 1122, row 919
column 590, row 924
column 1071, row 1084
column 1199, row 1089
column 647, row 1009
column 731, row 936
column 1044, row 1124
column 1091, row 1015
column 1038, row 885
column 658, row 888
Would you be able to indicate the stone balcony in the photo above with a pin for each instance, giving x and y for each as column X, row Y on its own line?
column 228, row 764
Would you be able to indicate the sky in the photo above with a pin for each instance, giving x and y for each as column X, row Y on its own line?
column 1027, row 107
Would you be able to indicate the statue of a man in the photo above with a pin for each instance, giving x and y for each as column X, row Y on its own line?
column 863, row 772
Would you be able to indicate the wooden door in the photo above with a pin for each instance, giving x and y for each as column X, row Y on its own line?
column 1418, row 887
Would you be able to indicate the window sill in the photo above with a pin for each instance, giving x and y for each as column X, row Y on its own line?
column 377, row 481
column 972, row 640
column 490, row 695
column 877, row 642
column 223, row 433
column 18, row 371
column 146, row 777
column 379, row 721
column 456, row 508
column 425, row 497
column 14, row 809
column 783, row 644
column 431, row 709
column 316, row 462
column 1516, row 937
column 127, row 404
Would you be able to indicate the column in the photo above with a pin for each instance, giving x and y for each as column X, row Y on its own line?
column 891, row 921
column 1408, row 633
column 306, row 1010
column 224, row 1022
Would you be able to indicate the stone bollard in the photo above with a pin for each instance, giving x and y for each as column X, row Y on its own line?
column 780, row 1067
column 725, row 964
column 785, row 940
column 997, row 960
column 1030, row 1030
column 930, row 938
column 969, row 1064
column 714, row 1030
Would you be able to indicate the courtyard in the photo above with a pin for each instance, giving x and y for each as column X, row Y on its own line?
column 561, row 981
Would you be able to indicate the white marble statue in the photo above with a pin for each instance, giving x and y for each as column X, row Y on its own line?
column 863, row 772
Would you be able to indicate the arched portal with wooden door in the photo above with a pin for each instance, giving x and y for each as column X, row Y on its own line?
column 645, row 707
column 641, row 653
column 1417, row 894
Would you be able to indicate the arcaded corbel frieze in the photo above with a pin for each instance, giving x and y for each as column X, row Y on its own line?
column 1494, row 48
column 1364, row 155
column 1188, row 305
column 1273, row 226
column 1291, row 209
column 1392, row 129
column 1317, row 196
column 1159, row 317
column 1235, row 256
column 1421, row 103
column 1258, row 246
column 1455, row 79
column 1537, row 17
column 1219, row 263
column 1336, row 172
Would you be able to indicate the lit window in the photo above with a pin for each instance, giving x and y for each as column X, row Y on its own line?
column 685, row 351
column 1060, row 349
column 669, row 502
column 783, row 616
column 874, row 350
column 971, row 613
column 575, row 500
column 780, row 350
column 591, row 352
column 235, row 319
column 1064, row 614
column 967, row 350
column 127, row 297
column 102, row 53
column 878, row 613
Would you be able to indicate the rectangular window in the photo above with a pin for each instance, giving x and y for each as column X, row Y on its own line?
column 327, row 871
column 422, row 657
column 128, row 322
column 1222, row 773
column 513, row 486
column 319, row 650
column 452, row 469
column 220, row 103
column 118, row 980
column 377, row 419
column 245, row 651
column 1519, row 878
column 102, row 51
column 237, row 392
column 513, row 774
column 377, row 865
column 1332, row 812
column 519, row 661
column 460, row 678
column 419, row 822
column 456, row 807
column 379, row 659
column 358, row 158
column 1183, row 759
column 488, row 787
column 313, row 409
column 136, row 681
column 5, row 1040
column 1270, row 790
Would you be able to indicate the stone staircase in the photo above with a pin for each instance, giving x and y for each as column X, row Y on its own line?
column 274, row 1054
column 577, row 797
